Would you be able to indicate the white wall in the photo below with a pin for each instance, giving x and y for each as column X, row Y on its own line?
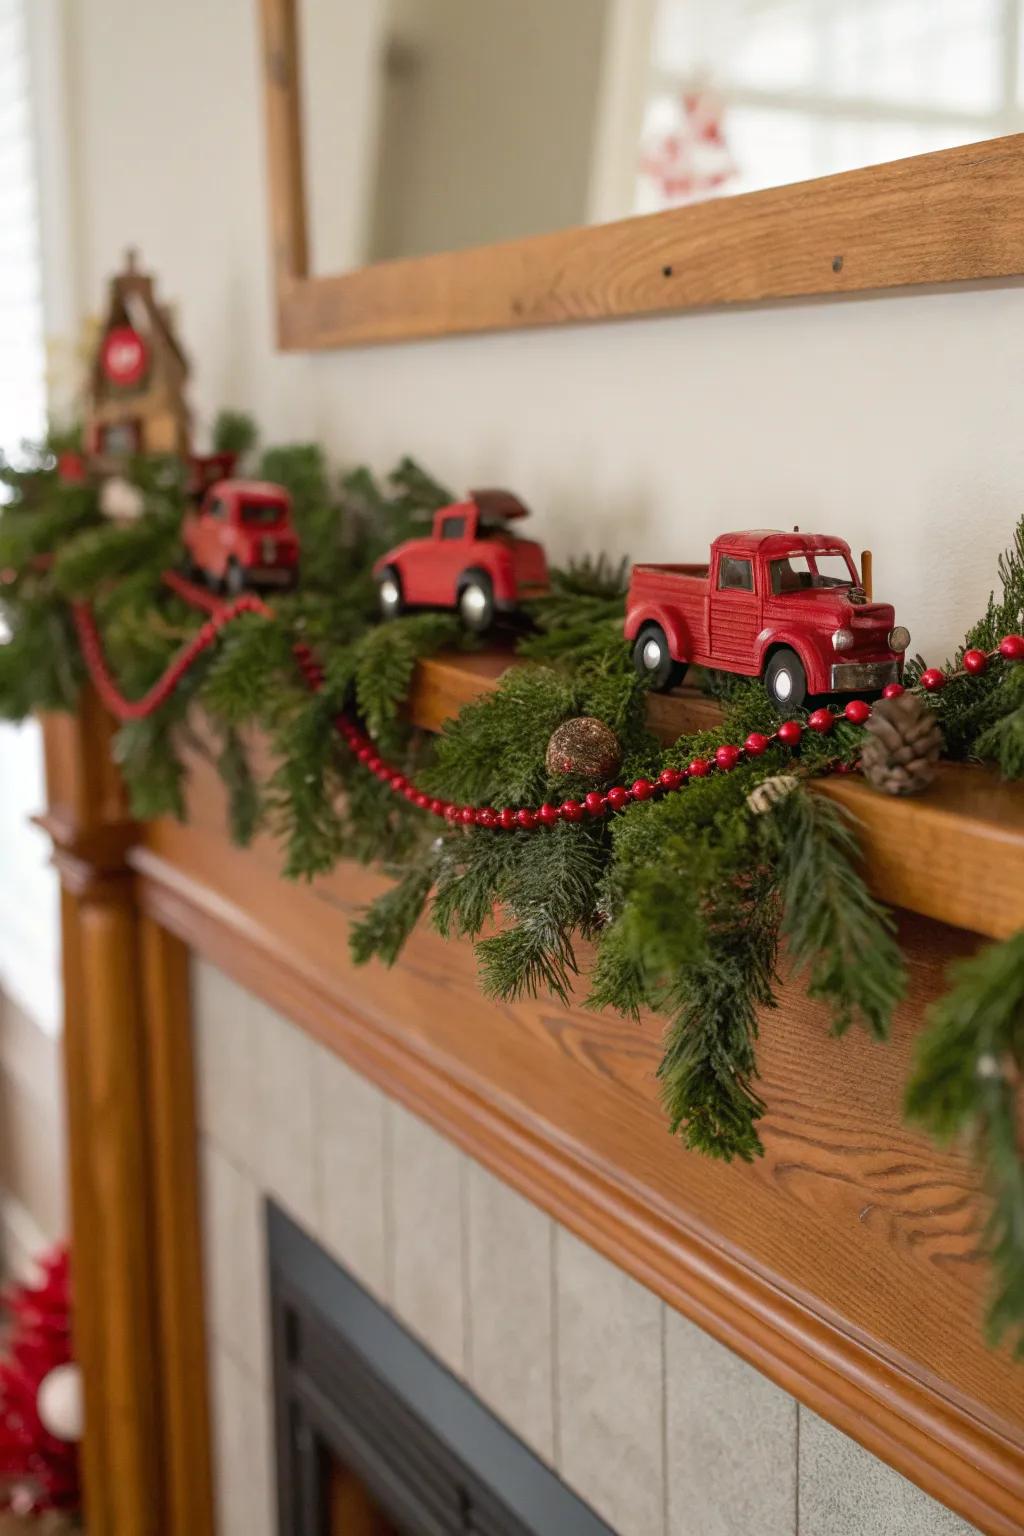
column 891, row 421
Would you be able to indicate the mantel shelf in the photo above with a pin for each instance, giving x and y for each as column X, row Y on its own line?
column 955, row 853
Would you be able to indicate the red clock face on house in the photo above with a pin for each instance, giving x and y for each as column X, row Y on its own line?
column 124, row 357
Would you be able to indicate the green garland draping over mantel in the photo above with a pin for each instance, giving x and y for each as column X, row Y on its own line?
column 693, row 900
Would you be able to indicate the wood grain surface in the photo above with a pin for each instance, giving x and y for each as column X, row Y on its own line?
column 955, row 853
column 955, row 215
column 844, row 1263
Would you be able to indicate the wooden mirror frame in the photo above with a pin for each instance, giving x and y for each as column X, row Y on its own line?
column 954, row 215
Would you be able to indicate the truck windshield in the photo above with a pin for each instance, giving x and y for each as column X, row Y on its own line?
column 806, row 573
column 261, row 514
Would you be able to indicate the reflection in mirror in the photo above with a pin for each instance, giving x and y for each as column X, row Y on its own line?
column 430, row 125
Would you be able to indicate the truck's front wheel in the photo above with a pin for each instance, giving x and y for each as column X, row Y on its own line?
column 785, row 679
column 654, row 661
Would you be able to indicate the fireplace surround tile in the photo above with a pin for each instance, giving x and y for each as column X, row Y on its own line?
column 428, row 1210
column 638, row 1410
column 845, row 1491
column 243, row 1450
column 350, row 1118
column 235, row 1261
column 732, row 1441
column 610, row 1389
column 511, row 1273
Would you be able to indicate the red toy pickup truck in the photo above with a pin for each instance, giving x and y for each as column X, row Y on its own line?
column 472, row 561
column 242, row 536
column 784, row 607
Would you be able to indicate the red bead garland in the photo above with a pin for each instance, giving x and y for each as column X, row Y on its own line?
column 595, row 804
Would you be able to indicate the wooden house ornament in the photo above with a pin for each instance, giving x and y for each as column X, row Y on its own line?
column 135, row 398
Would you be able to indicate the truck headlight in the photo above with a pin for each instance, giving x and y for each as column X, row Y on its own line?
column 842, row 640
column 899, row 638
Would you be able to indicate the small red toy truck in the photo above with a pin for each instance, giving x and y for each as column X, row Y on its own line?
column 241, row 536
column 472, row 561
column 785, row 607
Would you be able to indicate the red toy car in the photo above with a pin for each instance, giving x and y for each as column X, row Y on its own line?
column 785, row 607
column 242, row 536
column 472, row 561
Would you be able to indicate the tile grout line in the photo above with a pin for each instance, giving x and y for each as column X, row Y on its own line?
column 796, row 1487
column 556, row 1385
column 665, row 1509
column 464, row 1264
column 388, row 1200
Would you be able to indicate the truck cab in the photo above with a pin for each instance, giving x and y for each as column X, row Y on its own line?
column 472, row 561
column 786, row 607
column 242, row 536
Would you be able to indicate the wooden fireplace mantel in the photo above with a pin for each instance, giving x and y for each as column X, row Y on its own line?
column 843, row 1264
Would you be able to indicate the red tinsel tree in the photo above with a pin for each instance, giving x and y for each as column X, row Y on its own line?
column 38, row 1472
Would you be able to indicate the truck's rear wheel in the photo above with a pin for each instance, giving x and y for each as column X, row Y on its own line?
column 654, row 661
column 785, row 679
column 389, row 593
column 476, row 601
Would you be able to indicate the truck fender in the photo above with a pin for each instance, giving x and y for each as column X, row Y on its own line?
column 657, row 613
column 772, row 639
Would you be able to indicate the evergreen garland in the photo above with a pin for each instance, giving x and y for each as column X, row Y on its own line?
column 689, row 906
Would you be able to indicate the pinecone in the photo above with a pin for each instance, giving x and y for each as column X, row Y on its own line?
column 903, row 745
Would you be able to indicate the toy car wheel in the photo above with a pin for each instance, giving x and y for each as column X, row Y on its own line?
column 654, row 661
column 234, row 580
column 476, row 601
column 785, row 679
column 389, row 593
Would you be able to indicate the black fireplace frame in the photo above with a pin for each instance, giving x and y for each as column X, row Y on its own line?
column 349, row 1381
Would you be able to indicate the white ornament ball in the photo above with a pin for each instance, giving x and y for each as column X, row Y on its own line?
column 59, row 1402
column 121, row 501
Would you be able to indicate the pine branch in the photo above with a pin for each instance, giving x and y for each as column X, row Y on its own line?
column 834, row 929
column 384, row 928
column 966, row 1078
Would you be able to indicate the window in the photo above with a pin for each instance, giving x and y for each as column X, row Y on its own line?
column 453, row 528
column 261, row 514
column 29, row 936
column 735, row 574
column 804, row 573
column 745, row 94
column 217, row 508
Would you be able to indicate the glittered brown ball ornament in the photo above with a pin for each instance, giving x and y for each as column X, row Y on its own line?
column 902, row 745
column 586, row 748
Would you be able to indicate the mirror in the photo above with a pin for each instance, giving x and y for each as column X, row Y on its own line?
column 436, row 125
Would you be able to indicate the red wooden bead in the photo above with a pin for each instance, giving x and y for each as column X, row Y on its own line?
column 375, row 764
column 618, row 797
column 507, row 817
column 821, row 720
column 422, row 800
column 548, row 814
column 893, row 690
column 699, row 767
column 975, row 662
column 486, row 816
column 727, row 757
column 757, row 743
column 438, row 807
column 1011, row 648
column 933, row 678
column 398, row 781
column 571, row 810
column 451, row 812
column 527, row 819
column 364, row 753
column 671, row 778
column 411, row 793
column 790, row 733
column 857, row 711
column 467, row 815
column 642, row 789
column 595, row 803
